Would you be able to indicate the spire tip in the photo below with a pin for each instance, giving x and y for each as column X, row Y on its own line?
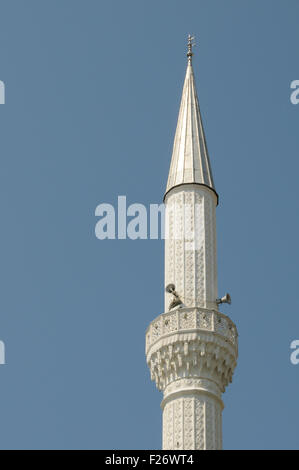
column 191, row 43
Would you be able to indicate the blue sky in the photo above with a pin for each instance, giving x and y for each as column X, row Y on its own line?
column 92, row 96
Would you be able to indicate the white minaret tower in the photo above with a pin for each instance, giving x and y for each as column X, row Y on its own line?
column 192, row 348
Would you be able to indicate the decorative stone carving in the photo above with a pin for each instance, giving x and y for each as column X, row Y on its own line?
column 181, row 319
column 192, row 354
column 190, row 245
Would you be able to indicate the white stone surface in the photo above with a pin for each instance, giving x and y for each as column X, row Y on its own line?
column 190, row 245
column 192, row 354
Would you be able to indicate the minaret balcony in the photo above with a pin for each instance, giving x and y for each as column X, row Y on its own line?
column 192, row 342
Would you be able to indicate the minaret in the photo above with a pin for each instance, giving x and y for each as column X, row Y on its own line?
column 192, row 348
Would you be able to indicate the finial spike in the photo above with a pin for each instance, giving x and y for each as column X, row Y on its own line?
column 191, row 43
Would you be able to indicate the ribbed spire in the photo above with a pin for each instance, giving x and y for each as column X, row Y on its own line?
column 190, row 161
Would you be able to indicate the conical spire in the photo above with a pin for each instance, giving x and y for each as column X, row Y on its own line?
column 190, row 161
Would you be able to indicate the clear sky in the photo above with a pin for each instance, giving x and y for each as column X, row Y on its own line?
column 92, row 96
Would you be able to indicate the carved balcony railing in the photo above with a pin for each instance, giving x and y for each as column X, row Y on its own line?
column 186, row 319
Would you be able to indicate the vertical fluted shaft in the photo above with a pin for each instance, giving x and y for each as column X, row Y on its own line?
column 192, row 420
column 190, row 245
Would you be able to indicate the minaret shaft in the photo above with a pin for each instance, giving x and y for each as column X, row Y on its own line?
column 192, row 420
column 190, row 245
column 191, row 349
